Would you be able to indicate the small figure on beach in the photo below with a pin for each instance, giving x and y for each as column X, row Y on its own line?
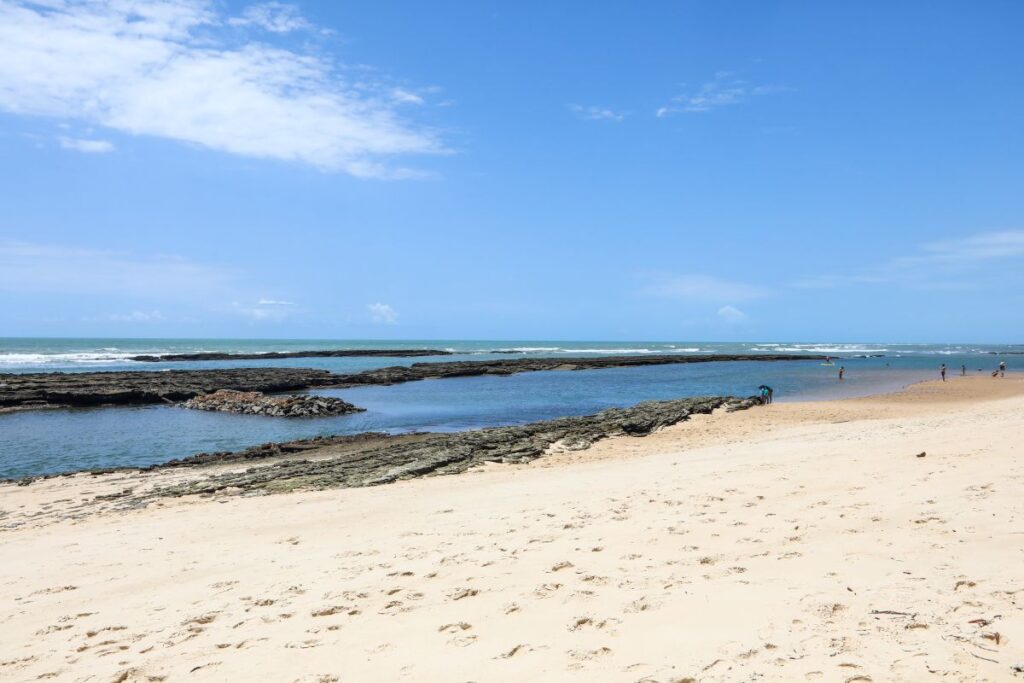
column 963, row 370
column 766, row 394
column 842, row 371
column 942, row 371
column 1002, row 368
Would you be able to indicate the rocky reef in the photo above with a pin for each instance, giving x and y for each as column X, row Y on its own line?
column 374, row 459
column 270, row 355
column 82, row 389
column 258, row 403
column 85, row 389
column 473, row 368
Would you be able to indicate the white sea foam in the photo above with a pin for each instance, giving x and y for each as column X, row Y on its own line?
column 69, row 358
column 818, row 348
column 610, row 350
column 562, row 349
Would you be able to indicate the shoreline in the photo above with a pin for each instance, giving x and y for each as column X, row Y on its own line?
column 366, row 441
column 31, row 391
column 793, row 541
column 374, row 459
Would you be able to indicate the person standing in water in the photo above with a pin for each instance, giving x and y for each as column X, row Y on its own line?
column 842, row 371
column 942, row 371
column 963, row 370
column 1002, row 368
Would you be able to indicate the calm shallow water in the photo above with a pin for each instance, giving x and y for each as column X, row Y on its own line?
column 56, row 441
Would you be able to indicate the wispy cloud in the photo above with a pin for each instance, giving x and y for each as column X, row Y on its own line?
column 725, row 89
column 262, row 310
column 403, row 96
column 947, row 264
column 382, row 314
column 86, row 146
column 595, row 113
column 274, row 302
column 276, row 17
column 168, row 68
column 701, row 288
column 137, row 317
column 731, row 314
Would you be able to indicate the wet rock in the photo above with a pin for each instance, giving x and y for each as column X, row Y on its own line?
column 85, row 389
column 81, row 389
column 258, row 403
column 375, row 459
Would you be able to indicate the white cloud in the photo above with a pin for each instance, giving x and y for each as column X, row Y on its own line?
column 276, row 17
column 972, row 249
column 382, row 314
column 731, row 314
column 164, row 68
column 947, row 264
column 725, row 89
column 274, row 302
column 405, row 97
column 87, row 146
column 262, row 310
column 595, row 113
column 702, row 288
column 137, row 317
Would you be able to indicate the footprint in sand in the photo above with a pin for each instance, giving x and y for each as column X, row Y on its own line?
column 460, row 593
column 516, row 650
column 55, row 589
column 455, row 628
column 328, row 611
column 640, row 605
column 584, row 623
column 584, row 656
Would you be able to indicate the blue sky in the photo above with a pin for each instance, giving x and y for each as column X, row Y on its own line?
column 577, row 170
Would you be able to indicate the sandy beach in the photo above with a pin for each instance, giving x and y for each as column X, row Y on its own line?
column 873, row 539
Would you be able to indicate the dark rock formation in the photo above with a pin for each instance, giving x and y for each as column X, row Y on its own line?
column 474, row 368
column 257, row 403
column 373, row 459
column 83, row 389
column 269, row 355
column 49, row 390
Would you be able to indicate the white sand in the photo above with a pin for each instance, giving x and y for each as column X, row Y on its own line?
column 798, row 541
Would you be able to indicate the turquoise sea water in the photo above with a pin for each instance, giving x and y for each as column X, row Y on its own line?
column 62, row 440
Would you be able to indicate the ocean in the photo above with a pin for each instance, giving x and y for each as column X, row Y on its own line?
column 50, row 441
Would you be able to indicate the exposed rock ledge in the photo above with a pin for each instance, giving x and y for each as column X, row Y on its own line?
column 373, row 459
column 257, row 403
column 81, row 389
column 84, row 389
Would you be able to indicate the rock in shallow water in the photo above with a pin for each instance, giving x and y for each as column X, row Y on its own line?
column 373, row 459
column 80, row 389
column 258, row 403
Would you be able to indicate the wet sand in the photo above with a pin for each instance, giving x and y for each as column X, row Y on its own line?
column 799, row 541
